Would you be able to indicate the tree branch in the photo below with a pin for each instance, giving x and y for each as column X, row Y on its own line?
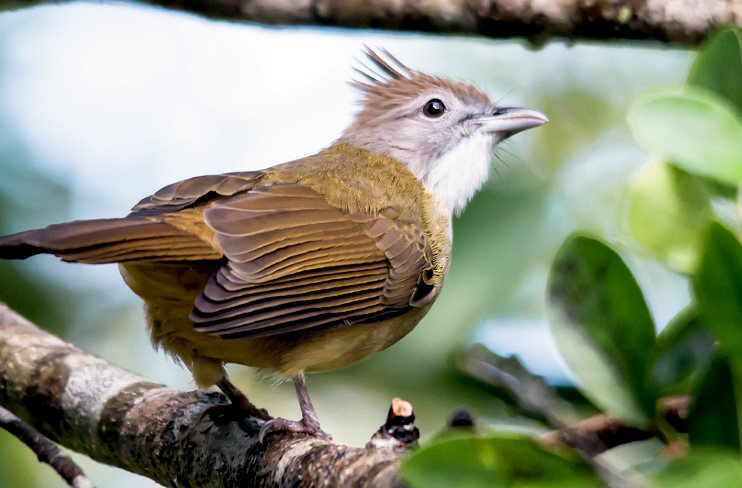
column 121, row 419
column 597, row 434
column 684, row 22
column 536, row 399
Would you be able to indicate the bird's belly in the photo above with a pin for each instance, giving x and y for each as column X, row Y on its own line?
column 304, row 352
column 322, row 350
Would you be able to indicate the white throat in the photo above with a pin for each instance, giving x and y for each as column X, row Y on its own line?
column 459, row 173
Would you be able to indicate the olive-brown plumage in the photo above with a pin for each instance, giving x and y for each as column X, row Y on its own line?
column 309, row 265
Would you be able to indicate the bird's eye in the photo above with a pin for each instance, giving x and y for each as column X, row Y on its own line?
column 434, row 108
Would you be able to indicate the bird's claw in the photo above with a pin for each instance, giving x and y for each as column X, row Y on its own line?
column 302, row 426
column 224, row 413
column 239, row 406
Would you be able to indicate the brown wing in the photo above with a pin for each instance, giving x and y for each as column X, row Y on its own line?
column 294, row 262
column 188, row 192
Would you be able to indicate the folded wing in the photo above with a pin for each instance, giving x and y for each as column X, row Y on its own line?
column 294, row 262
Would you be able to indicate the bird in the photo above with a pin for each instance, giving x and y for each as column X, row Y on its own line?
column 310, row 265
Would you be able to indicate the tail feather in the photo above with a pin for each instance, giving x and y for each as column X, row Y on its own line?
column 108, row 241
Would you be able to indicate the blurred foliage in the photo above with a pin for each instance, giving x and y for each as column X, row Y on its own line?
column 668, row 210
column 684, row 349
column 691, row 128
column 495, row 460
column 601, row 321
column 605, row 333
column 713, row 419
column 702, row 467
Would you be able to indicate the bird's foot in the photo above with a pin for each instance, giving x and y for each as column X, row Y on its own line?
column 238, row 410
column 309, row 424
column 225, row 413
column 306, row 426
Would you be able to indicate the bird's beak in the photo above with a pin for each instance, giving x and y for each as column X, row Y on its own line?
column 510, row 120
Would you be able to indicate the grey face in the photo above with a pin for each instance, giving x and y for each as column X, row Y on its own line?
column 419, row 127
column 443, row 131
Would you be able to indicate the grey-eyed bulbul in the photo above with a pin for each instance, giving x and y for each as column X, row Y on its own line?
column 310, row 265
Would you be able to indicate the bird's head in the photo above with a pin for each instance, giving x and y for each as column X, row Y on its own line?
column 443, row 131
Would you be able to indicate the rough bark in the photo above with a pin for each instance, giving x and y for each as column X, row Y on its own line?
column 684, row 22
column 118, row 418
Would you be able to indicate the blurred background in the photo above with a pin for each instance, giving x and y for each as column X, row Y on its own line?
column 103, row 105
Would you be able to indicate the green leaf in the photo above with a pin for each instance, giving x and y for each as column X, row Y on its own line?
column 668, row 211
column 696, row 130
column 602, row 326
column 494, row 461
column 713, row 419
column 718, row 66
column 702, row 468
column 683, row 351
column 718, row 288
column 680, row 325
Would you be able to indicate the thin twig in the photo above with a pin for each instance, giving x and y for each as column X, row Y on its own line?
column 45, row 450
column 597, row 434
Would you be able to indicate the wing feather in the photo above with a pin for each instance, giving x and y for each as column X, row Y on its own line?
column 217, row 300
column 295, row 262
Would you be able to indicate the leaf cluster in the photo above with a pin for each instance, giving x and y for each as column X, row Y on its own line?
column 681, row 208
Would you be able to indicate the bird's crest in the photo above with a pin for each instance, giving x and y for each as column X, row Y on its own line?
column 386, row 76
column 387, row 68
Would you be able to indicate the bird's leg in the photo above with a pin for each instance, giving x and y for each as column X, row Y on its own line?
column 240, row 401
column 308, row 414
column 239, row 406
column 309, row 422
